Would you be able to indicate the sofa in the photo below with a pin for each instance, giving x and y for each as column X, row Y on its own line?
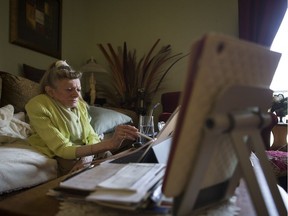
column 169, row 102
column 21, row 166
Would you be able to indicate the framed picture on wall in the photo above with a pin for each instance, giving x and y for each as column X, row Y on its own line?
column 36, row 25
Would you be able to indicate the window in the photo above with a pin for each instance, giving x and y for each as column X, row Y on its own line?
column 280, row 44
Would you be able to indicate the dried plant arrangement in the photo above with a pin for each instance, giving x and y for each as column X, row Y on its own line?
column 134, row 81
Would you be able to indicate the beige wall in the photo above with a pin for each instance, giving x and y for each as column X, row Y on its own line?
column 139, row 23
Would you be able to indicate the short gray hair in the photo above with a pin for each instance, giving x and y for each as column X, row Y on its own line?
column 57, row 71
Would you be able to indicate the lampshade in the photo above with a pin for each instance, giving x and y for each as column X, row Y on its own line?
column 92, row 67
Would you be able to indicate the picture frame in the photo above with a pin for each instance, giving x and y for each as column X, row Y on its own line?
column 36, row 25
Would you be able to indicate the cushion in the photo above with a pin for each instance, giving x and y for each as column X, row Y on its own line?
column 17, row 91
column 105, row 120
column 32, row 73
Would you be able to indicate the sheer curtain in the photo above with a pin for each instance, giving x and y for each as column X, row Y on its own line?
column 259, row 20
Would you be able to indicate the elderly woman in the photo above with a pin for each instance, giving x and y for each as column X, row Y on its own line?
column 60, row 121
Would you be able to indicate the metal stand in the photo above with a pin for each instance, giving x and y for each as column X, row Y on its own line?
column 240, row 114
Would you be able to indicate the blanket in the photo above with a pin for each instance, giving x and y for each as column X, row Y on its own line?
column 12, row 125
column 21, row 166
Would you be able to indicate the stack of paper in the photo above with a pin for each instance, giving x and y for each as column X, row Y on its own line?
column 124, row 186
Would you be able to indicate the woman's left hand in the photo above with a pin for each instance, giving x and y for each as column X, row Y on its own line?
column 82, row 163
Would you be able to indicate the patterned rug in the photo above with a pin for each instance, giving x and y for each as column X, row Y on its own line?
column 69, row 208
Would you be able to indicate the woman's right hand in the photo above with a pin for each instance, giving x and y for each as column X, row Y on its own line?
column 123, row 132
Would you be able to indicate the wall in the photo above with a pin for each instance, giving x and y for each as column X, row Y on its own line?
column 175, row 22
column 139, row 23
column 75, row 39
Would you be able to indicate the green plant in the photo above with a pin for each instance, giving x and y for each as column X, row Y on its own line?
column 280, row 106
column 136, row 82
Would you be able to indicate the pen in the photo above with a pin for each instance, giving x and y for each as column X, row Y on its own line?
column 145, row 136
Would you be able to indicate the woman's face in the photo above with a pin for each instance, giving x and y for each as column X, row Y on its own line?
column 66, row 91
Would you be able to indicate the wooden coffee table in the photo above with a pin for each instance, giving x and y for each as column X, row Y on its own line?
column 35, row 202
column 32, row 202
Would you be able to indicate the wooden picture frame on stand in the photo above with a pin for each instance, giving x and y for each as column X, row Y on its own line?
column 36, row 25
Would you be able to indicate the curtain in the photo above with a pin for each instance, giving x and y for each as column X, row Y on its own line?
column 259, row 20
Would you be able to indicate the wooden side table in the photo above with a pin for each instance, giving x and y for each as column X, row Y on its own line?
column 279, row 132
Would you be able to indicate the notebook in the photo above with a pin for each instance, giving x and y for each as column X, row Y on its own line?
column 156, row 150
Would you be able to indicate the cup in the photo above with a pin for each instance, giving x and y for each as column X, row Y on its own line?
column 146, row 126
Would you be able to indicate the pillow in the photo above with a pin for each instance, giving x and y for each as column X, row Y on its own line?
column 105, row 120
column 17, row 91
column 33, row 73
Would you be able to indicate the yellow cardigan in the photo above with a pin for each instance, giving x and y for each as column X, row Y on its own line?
column 51, row 134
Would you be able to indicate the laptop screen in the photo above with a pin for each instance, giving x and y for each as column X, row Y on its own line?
column 156, row 150
column 162, row 143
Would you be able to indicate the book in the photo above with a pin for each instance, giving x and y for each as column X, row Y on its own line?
column 126, row 186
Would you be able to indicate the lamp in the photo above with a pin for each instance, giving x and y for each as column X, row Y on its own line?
column 92, row 67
